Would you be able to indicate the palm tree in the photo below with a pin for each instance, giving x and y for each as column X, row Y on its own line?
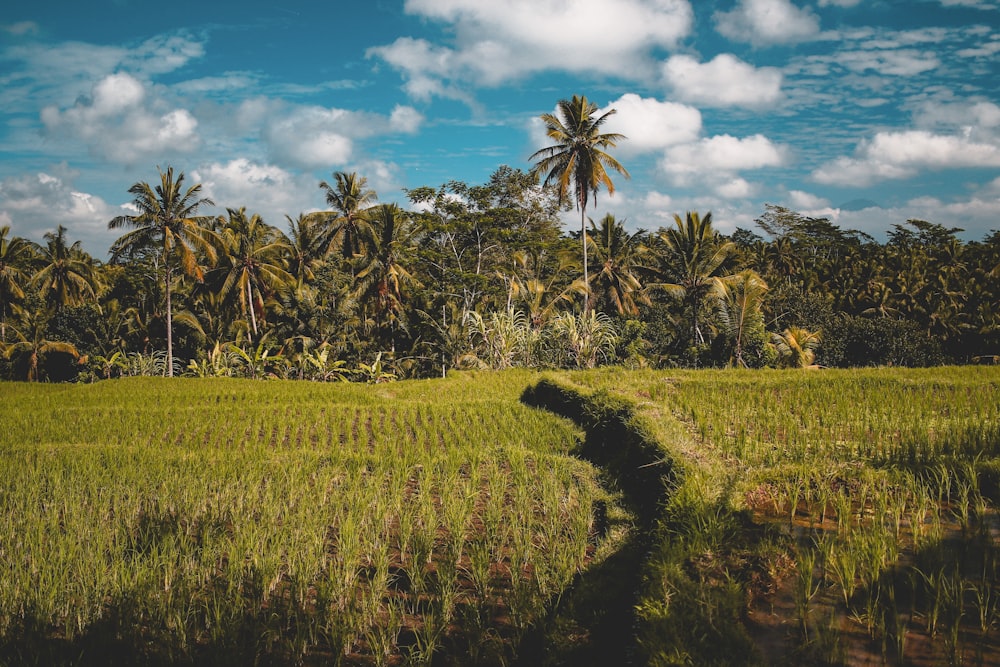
column 539, row 294
column 693, row 263
column 32, row 344
column 382, row 270
column 251, row 263
column 16, row 255
column 306, row 247
column 578, row 158
column 67, row 275
column 796, row 347
column 167, row 219
column 350, row 198
column 741, row 308
column 618, row 253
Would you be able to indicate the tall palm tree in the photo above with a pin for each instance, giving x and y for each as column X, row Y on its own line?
column 382, row 270
column 251, row 263
column 306, row 247
column 16, row 255
column 578, row 158
column 167, row 219
column 350, row 198
column 693, row 263
column 619, row 254
column 67, row 276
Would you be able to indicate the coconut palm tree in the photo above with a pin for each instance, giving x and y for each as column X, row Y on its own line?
column 693, row 262
column 350, row 198
column 167, row 219
column 16, row 256
column 619, row 253
column 577, row 161
column 741, row 311
column 796, row 347
column 32, row 344
column 383, row 271
column 306, row 247
column 67, row 276
column 251, row 263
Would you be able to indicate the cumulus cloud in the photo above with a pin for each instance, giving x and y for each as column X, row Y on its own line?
column 35, row 203
column 724, row 81
column 721, row 157
column 804, row 201
column 498, row 41
column 893, row 155
column 765, row 22
column 734, row 188
column 313, row 136
column 651, row 125
column 839, row 3
column 265, row 189
column 120, row 123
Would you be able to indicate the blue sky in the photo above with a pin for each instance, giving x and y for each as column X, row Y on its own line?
column 868, row 112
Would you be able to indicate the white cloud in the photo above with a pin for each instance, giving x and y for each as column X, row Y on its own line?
column 502, row 40
column 977, row 215
column 651, row 125
column 120, row 123
column 45, row 74
column 839, row 3
column 658, row 200
column 265, row 189
column 723, row 81
column 974, row 118
column 764, row 22
column 803, row 201
column 720, row 157
column 20, row 28
column 735, row 188
column 406, row 120
column 892, row 155
column 312, row 136
column 895, row 62
column 35, row 203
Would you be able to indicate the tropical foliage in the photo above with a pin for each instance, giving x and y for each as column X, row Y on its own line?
column 469, row 275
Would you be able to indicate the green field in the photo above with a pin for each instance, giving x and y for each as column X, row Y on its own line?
column 780, row 517
column 832, row 517
column 230, row 521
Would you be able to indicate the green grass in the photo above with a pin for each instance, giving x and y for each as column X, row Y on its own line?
column 866, row 498
column 223, row 520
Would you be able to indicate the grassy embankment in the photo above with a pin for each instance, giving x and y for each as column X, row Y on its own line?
column 838, row 517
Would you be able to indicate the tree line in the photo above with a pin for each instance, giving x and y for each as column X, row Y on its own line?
column 471, row 276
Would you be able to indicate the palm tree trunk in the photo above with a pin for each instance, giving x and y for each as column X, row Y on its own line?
column 253, row 315
column 170, row 321
column 586, row 276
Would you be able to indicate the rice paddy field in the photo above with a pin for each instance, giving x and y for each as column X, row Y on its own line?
column 156, row 521
column 797, row 517
column 831, row 517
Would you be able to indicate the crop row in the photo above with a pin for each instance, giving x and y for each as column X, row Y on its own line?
column 323, row 530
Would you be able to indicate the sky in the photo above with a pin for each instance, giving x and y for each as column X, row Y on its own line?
column 867, row 112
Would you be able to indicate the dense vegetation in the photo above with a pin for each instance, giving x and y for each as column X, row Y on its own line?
column 154, row 521
column 481, row 276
